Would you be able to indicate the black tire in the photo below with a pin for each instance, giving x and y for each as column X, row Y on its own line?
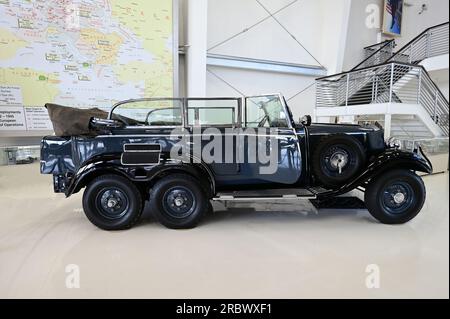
column 381, row 200
column 112, row 202
column 179, row 201
column 337, row 149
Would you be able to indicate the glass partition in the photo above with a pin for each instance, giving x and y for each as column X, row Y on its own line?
column 149, row 112
column 213, row 112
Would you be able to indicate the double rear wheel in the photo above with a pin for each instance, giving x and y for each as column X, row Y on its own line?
column 113, row 202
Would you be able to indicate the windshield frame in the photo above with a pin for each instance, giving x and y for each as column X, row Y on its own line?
column 283, row 104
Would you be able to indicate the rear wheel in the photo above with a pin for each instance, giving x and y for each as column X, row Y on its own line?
column 179, row 201
column 112, row 202
column 396, row 197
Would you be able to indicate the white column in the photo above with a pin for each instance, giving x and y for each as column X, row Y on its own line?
column 197, row 24
column 387, row 126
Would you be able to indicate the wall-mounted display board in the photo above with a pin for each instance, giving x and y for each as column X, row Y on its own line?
column 82, row 53
column 393, row 17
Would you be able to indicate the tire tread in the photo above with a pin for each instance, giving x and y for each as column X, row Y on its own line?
column 132, row 222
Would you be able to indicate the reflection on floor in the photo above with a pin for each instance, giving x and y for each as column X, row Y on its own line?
column 240, row 251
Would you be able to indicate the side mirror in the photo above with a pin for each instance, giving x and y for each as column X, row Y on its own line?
column 306, row 120
column 105, row 124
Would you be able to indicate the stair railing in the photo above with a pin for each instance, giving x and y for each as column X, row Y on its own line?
column 377, row 54
column 432, row 42
column 386, row 83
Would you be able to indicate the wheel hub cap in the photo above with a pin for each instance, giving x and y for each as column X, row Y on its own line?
column 179, row 202
column 399, row 198
column 338, row 160
column 112, row 203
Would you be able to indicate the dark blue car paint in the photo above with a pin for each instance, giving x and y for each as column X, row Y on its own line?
column 75, row 161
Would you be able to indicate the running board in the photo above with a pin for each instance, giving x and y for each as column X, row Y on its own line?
column 267, row 195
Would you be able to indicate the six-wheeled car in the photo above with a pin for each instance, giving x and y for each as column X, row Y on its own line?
column 180, row 154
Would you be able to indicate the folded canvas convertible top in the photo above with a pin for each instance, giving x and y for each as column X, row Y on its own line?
column 69, row 121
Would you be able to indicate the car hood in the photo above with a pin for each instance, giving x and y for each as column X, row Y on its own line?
column 317, row 128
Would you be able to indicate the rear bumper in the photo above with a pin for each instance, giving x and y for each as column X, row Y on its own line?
column 59, row 183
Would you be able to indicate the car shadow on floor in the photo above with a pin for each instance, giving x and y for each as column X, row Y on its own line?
column 249, row 214
column 270, row 212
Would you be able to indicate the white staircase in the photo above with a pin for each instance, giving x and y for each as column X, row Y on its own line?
column 409, row 127
column 393, row 89
column 404, row 127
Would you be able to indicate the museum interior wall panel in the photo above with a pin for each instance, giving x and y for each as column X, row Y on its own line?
column 252, row 82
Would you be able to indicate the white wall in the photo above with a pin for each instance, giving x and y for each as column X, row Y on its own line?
column 255, row 82
column 319, row 25
column 359, row 35
column 334, row 15
column 414, row 24
column 267, row 41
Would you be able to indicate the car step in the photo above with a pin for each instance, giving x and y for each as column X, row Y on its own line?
column 266, row 194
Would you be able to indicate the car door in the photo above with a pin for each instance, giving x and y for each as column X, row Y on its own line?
column 266, row 120
column 213, row 125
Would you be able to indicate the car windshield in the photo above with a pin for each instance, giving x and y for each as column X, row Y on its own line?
column 265, row 111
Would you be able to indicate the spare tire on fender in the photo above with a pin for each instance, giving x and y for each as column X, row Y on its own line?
column 337, row 159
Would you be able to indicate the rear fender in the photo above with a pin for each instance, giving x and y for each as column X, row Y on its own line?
column 93, row 169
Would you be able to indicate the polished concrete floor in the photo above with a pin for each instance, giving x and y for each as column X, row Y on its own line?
column 266, row 251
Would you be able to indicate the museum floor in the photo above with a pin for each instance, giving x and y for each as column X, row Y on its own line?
column 292, row 252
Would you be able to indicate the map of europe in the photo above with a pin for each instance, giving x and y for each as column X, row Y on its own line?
column 81, row 53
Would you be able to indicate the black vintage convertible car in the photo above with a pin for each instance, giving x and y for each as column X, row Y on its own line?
column 180, row 154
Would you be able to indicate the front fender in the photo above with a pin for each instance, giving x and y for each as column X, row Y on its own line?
column 389, row 160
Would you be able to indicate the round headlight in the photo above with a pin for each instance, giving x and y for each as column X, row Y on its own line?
column 395, row 143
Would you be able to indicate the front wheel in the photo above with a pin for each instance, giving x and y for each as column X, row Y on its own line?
column 395, row 197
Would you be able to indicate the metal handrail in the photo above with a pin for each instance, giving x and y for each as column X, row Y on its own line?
column 432, row 42
column 376, row 54
column 387, row 77
column 385, row 83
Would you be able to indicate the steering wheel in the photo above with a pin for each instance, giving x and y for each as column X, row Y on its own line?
column 263, row 121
